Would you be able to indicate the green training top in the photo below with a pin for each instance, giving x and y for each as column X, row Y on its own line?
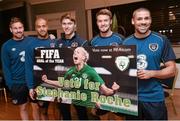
column 90, row 82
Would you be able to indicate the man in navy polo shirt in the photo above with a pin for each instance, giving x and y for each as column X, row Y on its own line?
column 71, row 39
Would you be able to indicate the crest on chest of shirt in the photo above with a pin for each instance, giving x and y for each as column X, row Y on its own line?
column 74, row 44
column 122, row 62
column 52, row 45
column 84, row 76
column 114, row 44
column 153, row 46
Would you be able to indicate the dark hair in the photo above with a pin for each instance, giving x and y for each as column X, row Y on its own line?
column 14, row 20
column 67, row 16
column 104, row 12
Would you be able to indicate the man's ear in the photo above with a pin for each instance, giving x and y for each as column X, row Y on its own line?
column 111, row 22
column 10, row 30
column 75, row 27
column 84, row 58
column 132, row 21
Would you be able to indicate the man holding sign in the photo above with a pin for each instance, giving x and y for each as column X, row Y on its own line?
column 152, row 48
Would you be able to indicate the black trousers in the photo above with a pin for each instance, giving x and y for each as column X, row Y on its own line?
column 66, row 111
column 150, row 111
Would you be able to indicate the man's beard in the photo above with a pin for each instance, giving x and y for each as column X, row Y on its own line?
column 19, row 37
column 43, row 35
column 105, row 30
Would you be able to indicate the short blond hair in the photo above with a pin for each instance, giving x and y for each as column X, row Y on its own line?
column 38, row 19
column 86, row 54
column 104, row 12
column 15, row 20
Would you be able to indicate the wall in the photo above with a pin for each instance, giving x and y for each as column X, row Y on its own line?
column 176, row 49
column 36, row 7
column 33, row 2
column 7, row 4
column 92, row 4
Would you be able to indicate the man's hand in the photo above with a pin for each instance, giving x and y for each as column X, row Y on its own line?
column 44, row 78
column 115, row 86
column 144, row 74
column 32, row 94
column 98, row 105
column 51, row 36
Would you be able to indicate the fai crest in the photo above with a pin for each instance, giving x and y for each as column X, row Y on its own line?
column 153, row 46
column 122, row 62
column 74, row 44
column 84, row 76
column 114, row 44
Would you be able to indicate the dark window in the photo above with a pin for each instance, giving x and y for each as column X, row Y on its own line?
column 165, row 17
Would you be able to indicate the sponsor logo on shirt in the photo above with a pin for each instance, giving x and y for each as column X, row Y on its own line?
column 141, row 61
column 39, row 47
column 60, row 45
column 13, row 49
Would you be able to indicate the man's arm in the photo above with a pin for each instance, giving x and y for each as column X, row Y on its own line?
column 108, row 91
column 52, row 82
column 29, row 56
column 29, row 67
column 6, row 67
column 168, row 71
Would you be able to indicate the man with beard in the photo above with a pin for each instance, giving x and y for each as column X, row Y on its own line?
column 42, row 40
column 13, row 62
column 152, row 49
column 69, row 37
column 106, row 37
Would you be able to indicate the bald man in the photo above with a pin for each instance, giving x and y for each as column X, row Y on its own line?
column 42, row 40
